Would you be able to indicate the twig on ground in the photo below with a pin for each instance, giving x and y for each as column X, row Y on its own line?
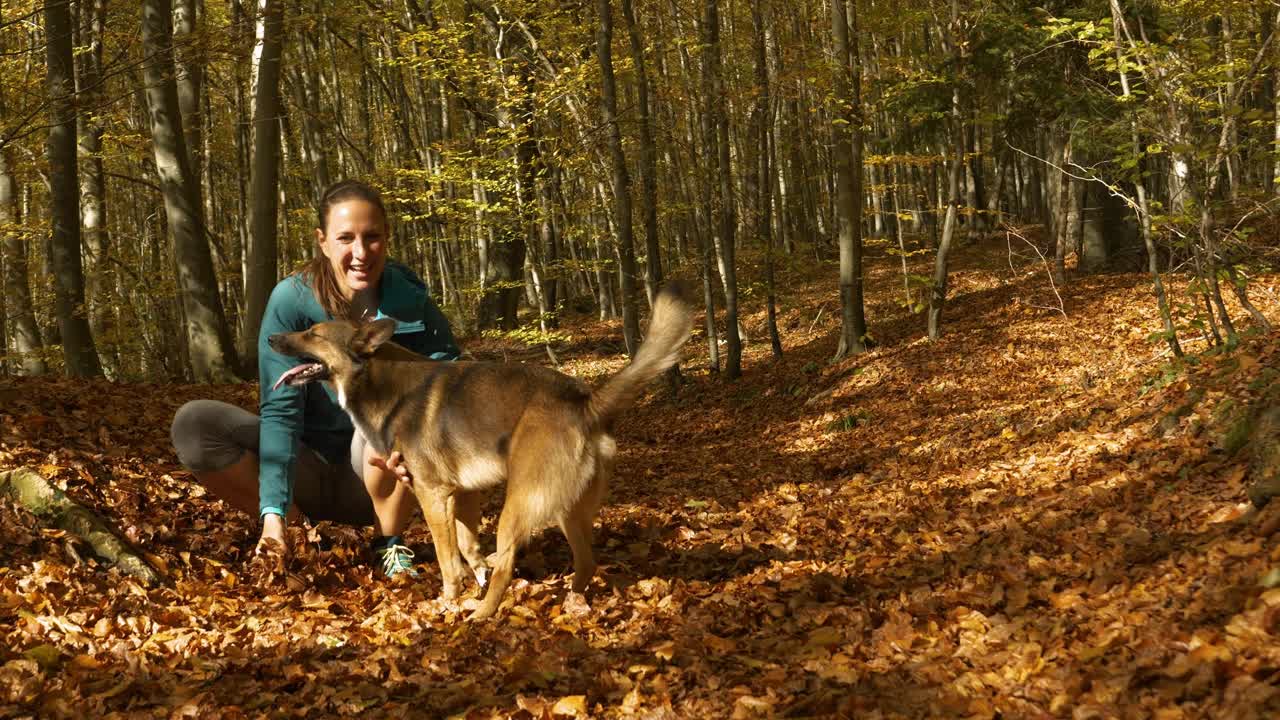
column 1048, row 271
column 818, row 317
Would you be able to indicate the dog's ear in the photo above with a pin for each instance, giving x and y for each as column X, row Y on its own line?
column 371, row 335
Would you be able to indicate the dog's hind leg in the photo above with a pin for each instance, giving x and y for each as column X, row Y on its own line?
column 576, row 524
column 468, row 506
column 543, row 469
column 512, row 532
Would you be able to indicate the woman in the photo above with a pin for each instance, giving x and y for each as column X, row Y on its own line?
column 300, row 456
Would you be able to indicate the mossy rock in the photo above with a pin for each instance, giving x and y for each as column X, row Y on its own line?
column 1238, row 434
column 1170, row 422
column 1264, row 456
column 1267, row 384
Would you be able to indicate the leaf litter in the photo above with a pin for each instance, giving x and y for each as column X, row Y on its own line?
column 1036, row 516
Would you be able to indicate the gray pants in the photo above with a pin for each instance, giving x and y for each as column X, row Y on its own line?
column 209, row 435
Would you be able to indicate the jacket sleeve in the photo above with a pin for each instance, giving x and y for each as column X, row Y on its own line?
column 281, row 410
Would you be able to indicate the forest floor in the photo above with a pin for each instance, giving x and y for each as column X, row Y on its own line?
column 1036, row 516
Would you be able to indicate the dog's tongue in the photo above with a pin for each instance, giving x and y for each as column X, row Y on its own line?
column 293, row 372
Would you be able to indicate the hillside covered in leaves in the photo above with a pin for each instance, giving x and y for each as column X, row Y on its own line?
column 1038, row 515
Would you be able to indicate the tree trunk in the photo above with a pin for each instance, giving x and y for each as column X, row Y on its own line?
column 261, row 270
column 212, row 355
column 975, row 194
column 648, row 157
column 763, row 127
column 93, row 202
column 64, row 197
column 13, row 259
column 27, row 488
column 1140, row 184
column 848, row 161
column 621, row 180
column 721, row 176
column 1275, row 109
column 550, row 243
column 190, row 60
column 1059, row 198
column 17, row 288
column 938, row 291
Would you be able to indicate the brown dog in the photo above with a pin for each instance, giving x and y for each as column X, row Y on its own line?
column 465, row 427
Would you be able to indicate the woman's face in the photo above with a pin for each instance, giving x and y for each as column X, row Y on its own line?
column 355, row 242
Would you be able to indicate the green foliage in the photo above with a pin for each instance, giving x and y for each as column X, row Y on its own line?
column 529, row 334
column 849, row 421
column 1167, row 373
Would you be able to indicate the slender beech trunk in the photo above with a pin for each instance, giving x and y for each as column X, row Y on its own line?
column 763, row 126
column 975, row 198
column 190, row 60
column 938, row 291
column 93, row 202
column 1275, row 109
column 708, row 190
column 64, row 196
column 1061, row 200
column 549, row 242
column 17, row 287
column 620, row 177
column 724, row 235
column 261, row 269
column 211, row 353
column 1221, row 157
column 900, row 235
column 648, row 156
column 848, row 162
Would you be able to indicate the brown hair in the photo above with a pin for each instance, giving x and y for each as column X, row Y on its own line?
column 317, row 272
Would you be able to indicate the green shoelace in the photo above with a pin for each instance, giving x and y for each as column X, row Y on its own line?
column 396, row 559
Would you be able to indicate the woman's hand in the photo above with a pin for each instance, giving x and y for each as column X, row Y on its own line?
column 394, row 464
column 273, row 540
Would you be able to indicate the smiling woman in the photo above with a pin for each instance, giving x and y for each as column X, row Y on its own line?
column 352, row 236
column 300, row 455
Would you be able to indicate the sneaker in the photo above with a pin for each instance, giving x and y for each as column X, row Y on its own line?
column 395, row 559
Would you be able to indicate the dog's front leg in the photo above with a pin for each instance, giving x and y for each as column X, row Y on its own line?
column 438, row 507
column 467, row 507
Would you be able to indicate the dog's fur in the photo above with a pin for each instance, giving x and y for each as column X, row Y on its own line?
column 465, row 427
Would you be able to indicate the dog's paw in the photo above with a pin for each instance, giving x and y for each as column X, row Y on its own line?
column 575, row 604
column 480, row 614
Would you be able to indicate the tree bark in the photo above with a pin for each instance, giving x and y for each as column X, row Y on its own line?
column 848, row 162
column 621, row 179
column 762, row 125
column 725, row 236
column 648, row 157
column 261, row 270
column 17, row 288
column 1140, row 185
column 190, row 61
column 938, row 291
column 1061, row 202
column 209, row 340
column 77, row 340
column 93, row 191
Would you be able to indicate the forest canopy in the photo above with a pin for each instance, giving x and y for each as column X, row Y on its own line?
column 160, row 161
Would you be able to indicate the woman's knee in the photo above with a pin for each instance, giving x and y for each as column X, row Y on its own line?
column 207, row 437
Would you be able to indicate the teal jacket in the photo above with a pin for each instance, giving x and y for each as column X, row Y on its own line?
column 310, row 413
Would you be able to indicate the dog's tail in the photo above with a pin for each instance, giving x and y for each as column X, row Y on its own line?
column 668, row 330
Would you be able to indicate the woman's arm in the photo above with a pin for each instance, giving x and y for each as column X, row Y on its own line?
column 281, row 408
